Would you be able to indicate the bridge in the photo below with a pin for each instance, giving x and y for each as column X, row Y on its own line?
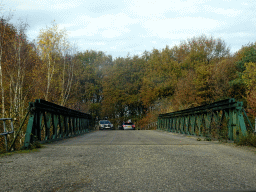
column 167, row 159
column 223, row 119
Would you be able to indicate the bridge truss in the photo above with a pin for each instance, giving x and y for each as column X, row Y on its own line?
column 48, row 121
column 222, row 119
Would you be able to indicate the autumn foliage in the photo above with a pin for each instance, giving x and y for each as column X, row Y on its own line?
column 198, row 71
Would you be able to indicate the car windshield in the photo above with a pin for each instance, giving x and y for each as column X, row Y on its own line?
column 104, row 122
column 128, row 123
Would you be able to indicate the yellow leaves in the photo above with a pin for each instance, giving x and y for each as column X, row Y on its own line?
column 202, row 75
column 249, row 75
column 52, row 42
column 53, row 46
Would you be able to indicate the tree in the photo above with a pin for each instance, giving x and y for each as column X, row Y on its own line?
column 50, row 42
column 205, row 49
column 5, row 30
column 161, row 73
column 92, row 67
column 245, row 55
column 239, row 86
column 17, row 68
column 17, row 64
column 249, row 78
column 68, row 63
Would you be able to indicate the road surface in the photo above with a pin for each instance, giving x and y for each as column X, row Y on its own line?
column 129, row 160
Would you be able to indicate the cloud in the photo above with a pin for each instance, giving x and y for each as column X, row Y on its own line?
column 178, row 27
column 44, row 4
column 238, row 35
column 138, row 25
column 82, row 32
column 65, row 5
column 97, row 43
column 153, row 8
column 244, row 3
column 101, row 6
column 108, row 26
column 112, row 33
column 222, row 11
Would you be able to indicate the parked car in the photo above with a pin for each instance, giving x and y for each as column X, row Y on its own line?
column 105, row 124
column 127, row 125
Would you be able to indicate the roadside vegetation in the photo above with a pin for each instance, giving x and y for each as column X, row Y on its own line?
column 198, row 71
column 249, row 140
column 18, row 152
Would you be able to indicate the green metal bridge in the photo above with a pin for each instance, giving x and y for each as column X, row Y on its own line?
column 47, row 121
column 223, row 119
column 145, row 160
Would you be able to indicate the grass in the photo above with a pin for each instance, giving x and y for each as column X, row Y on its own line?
column 207, row 139
column 31, row 148
column 19, row 152
column 249, row 140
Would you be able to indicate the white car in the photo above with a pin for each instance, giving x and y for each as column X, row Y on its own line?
column 126, row 126
column 105, row 124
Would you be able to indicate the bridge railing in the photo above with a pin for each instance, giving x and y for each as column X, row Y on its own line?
column 149, row 126
column 48, row 121
column 7, row 131
column 222, row 119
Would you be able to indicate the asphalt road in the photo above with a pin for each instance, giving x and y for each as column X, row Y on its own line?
column 131, row 161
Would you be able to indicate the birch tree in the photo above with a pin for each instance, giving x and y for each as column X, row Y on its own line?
column 49, row 41
column 5, row 28
column 67, row 69
column 16, row 70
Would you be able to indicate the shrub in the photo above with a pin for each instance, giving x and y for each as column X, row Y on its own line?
column 249, row 140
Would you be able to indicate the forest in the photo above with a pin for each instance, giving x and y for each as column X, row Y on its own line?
column 199, row 70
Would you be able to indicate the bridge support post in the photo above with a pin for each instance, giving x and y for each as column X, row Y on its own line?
column 192, row 118
column 208, row 120
column 55, row 126
column 48, row 121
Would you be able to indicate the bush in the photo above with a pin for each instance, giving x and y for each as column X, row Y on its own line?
column 34, row 145
column 249, row 140
column 207, row 139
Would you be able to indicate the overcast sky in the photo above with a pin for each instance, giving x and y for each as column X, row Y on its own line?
column 119, row 27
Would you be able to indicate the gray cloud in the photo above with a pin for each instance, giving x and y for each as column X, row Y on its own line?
column 119, row 27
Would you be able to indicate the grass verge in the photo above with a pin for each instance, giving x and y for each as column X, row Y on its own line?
column 18, row 152
column 249, row 140
column 32, row 148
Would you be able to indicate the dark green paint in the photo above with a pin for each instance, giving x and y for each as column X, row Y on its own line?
column 48, row 121
column 206, row 119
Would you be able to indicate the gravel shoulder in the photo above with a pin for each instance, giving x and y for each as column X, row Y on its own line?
column 131, row 161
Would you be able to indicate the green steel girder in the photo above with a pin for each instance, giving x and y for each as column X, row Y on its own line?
column 229, row 103
column 199, row 123
column 186, row 125
column 192, row 124
column 47, row 122
column 55, row 125
column 200, row 120
column 29, row 130
column 170, row 125
column 179, row 124
column 175, row 124
column 208, row 120
column 182, row 122
column 58, row 122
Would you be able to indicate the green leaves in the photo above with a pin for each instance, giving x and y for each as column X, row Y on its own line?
column 246, row 54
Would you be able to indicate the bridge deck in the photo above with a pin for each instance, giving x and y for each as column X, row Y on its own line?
column 130, row 161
